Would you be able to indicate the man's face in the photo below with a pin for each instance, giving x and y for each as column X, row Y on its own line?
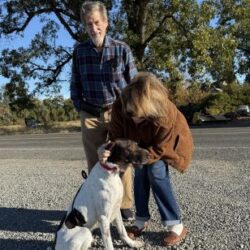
column 96, row 27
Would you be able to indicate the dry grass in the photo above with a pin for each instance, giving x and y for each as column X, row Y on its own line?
column 56, row 127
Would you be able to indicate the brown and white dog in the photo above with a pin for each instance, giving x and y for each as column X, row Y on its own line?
column 98, row 201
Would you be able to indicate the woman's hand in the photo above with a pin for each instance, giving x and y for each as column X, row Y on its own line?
column 103, row 153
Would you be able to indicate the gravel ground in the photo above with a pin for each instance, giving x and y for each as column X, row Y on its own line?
column 213, row 196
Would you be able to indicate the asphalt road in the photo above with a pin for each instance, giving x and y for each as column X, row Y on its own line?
column 39, row 174
column 215, row 142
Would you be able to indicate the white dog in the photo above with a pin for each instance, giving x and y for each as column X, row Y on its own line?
column 98, row 201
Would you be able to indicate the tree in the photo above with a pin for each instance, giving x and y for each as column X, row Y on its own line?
column 233, row 24
column 218, row 104
column 168, row 36
column 43, row 60
column 16, row 95
column 172, row 38
column 70, row 111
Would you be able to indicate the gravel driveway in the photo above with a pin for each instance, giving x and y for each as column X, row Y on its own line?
column 213, row 196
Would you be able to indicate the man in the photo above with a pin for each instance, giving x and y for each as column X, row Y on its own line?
column 101, row 67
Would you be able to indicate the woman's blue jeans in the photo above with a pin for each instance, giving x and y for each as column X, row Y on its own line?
column 157, row 177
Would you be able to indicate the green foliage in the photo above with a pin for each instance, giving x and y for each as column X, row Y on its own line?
column 43, row 114
column 203, row 43
column 196, row 94
column 69, row 109
column 6, row 117
column 189, row 97
column 46, row 111
column 233, row 23
column 172, row 37
column 16, row 95
column 193, row 100
column 218, row 104
column 246, row 94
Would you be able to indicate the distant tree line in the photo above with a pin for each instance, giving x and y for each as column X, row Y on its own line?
column 16, row 104
column 207, row 99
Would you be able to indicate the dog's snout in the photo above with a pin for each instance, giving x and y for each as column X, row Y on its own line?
column 141, row 157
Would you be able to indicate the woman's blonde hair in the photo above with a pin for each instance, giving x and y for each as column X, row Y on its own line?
column 145, row 97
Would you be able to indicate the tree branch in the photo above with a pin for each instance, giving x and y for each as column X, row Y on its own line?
column 67, row 6
column 153, row 34
column 57, row 71
column 64, row 23
column 30, row 16
column 38, row 68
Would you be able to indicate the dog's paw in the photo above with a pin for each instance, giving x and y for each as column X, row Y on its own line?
column 137, row 244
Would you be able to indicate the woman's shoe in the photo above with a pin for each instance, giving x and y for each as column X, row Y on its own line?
column 173, row 239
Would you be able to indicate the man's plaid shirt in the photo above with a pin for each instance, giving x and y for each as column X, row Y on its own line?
column 96, row 75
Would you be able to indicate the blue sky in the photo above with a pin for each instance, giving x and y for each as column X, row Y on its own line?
column 17, row 41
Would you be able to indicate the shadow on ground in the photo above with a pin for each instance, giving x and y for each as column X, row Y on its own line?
column 29, row 220
column 11, row 244
column 16, row 220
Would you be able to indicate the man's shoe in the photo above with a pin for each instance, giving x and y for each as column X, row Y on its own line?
column 173, row 239
column 127, row 214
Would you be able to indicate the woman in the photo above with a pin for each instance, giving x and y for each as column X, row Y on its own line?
column 144, row 113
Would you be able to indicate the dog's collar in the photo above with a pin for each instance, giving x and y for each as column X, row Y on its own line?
column 109, row 166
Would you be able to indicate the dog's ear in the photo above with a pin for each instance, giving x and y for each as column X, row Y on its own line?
column 117, row 151
column 109, row 146
column 74, row 218
column 70, row 221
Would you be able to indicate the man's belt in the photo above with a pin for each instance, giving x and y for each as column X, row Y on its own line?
column 94, row 110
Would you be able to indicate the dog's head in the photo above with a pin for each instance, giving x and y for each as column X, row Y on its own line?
column 126, row 152
column 74, row 218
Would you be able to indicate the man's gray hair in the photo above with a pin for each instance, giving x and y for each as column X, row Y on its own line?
column 90, row 6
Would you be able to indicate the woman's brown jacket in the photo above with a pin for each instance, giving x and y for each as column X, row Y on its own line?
column 171, row 142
